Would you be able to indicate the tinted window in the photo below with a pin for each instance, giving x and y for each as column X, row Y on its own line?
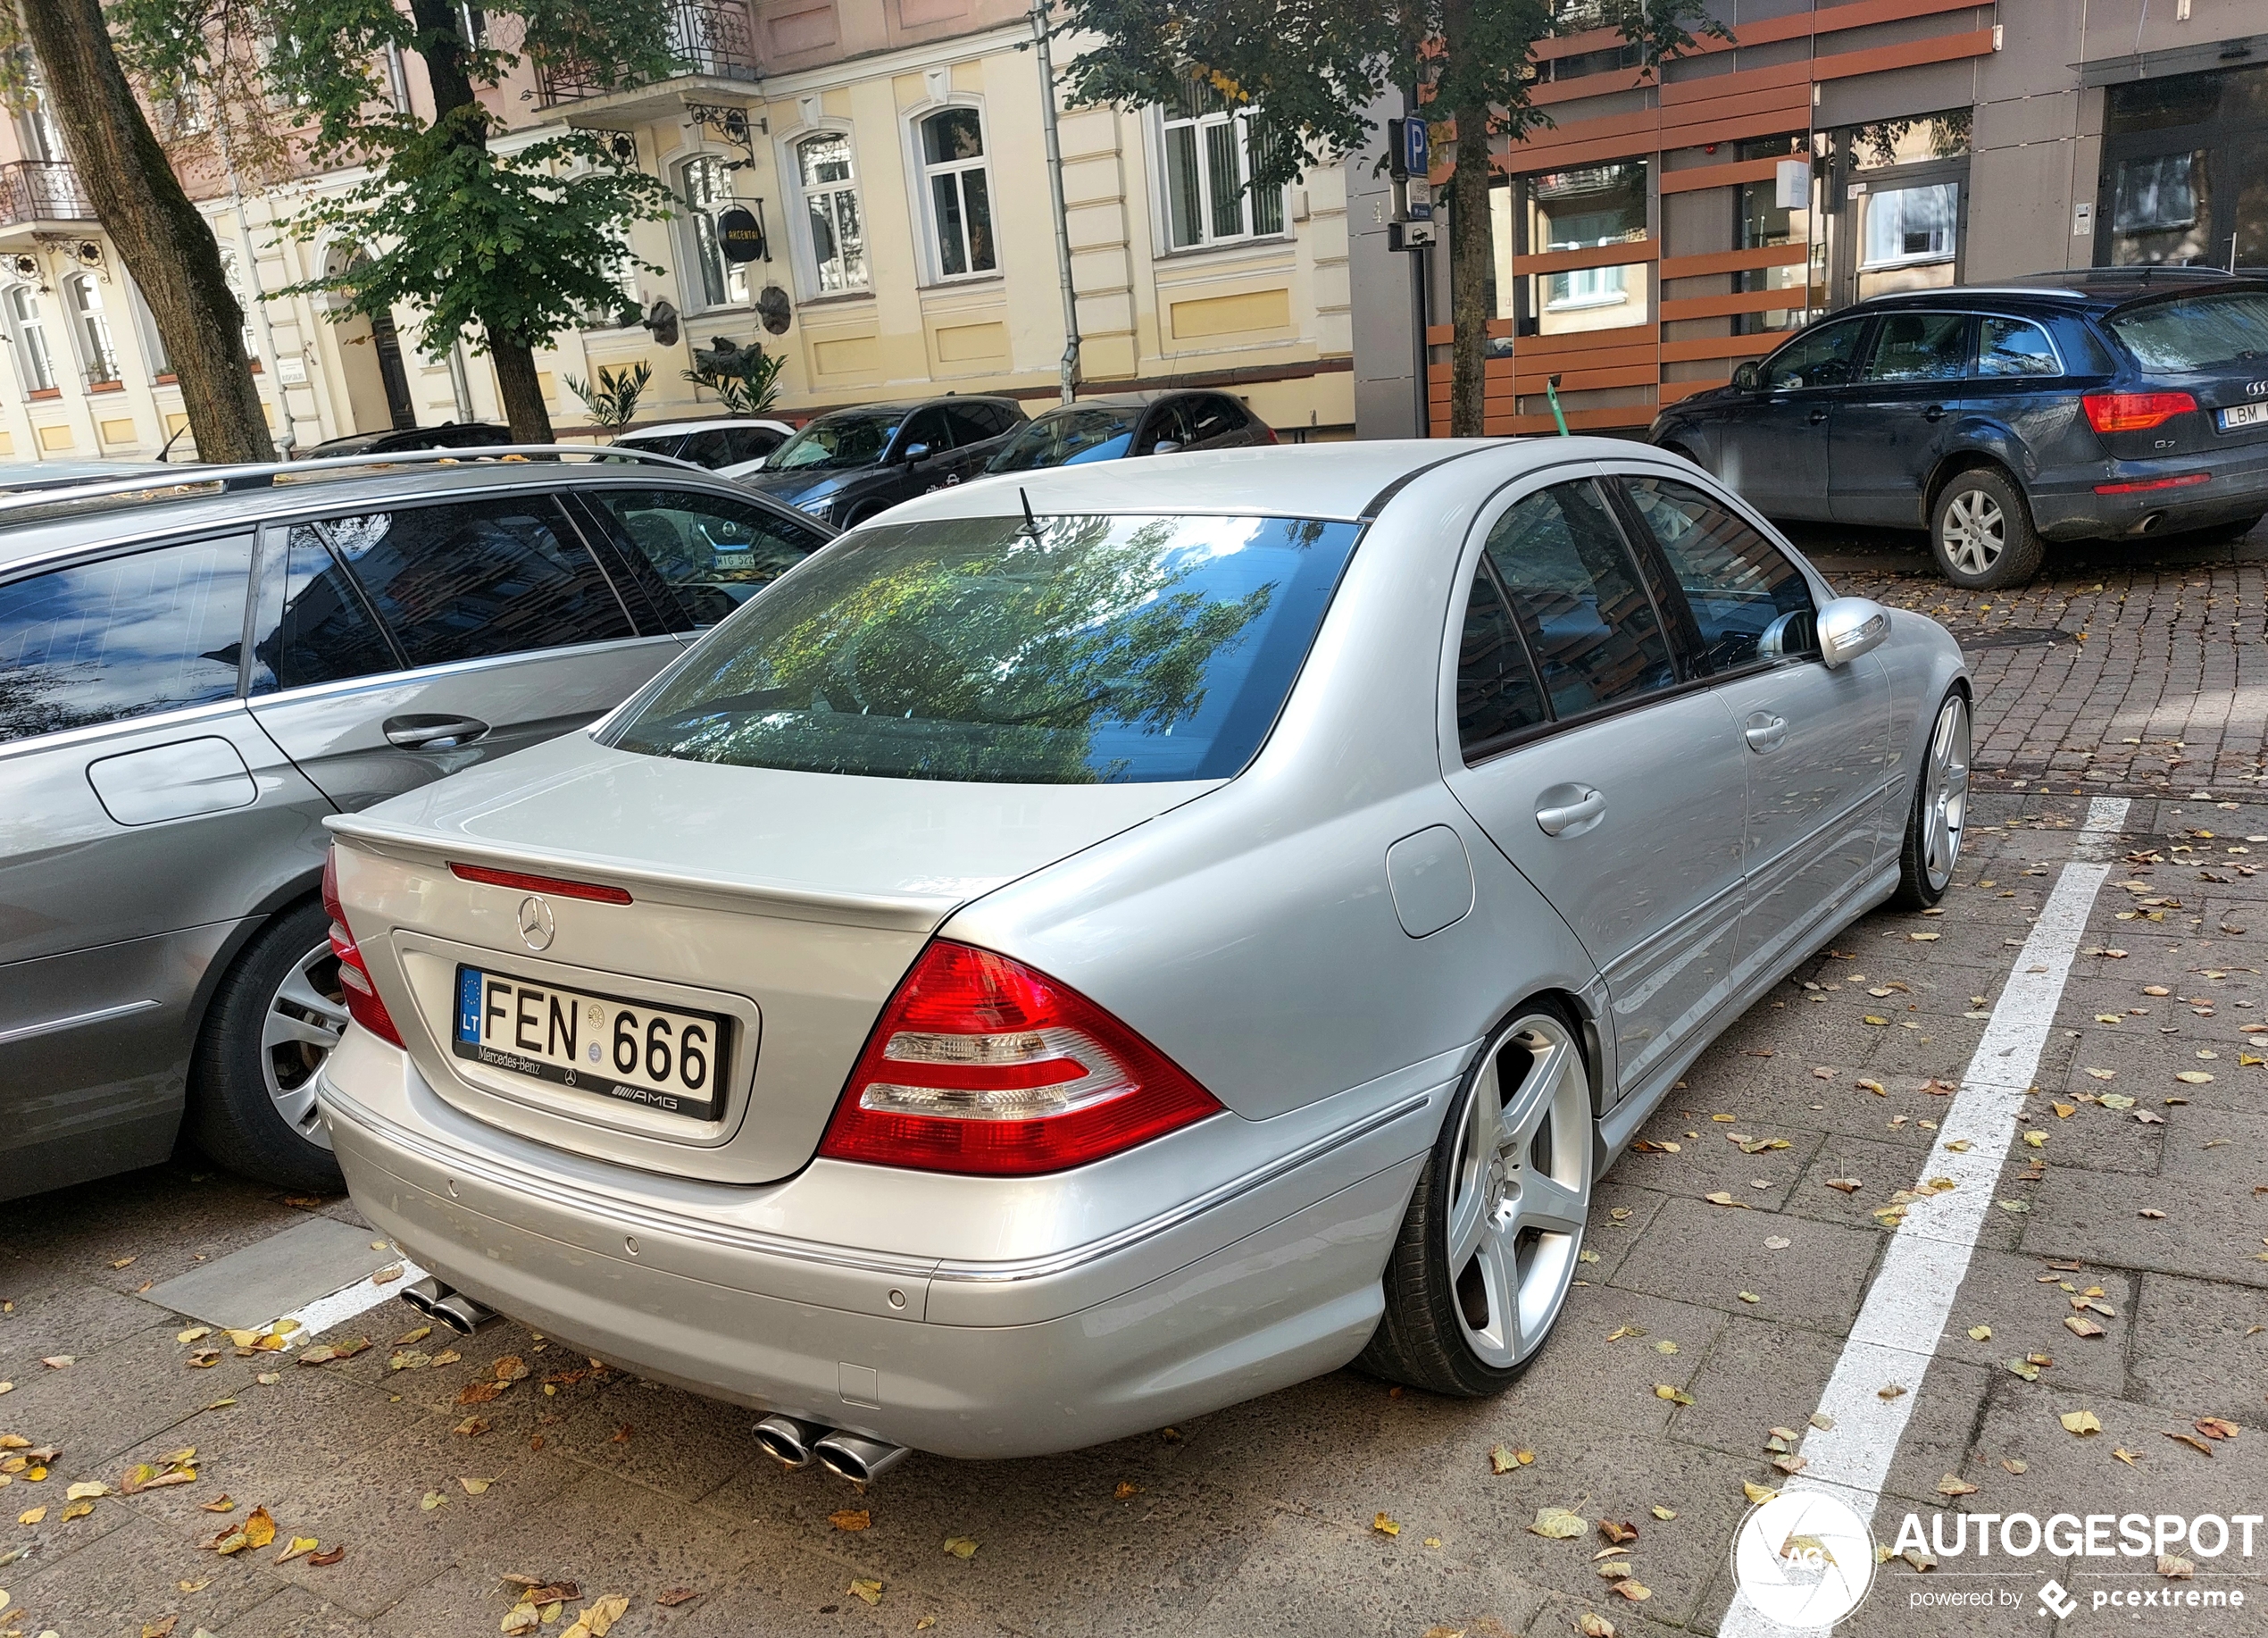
column 710, row 448
column 972, row 424
column 1001, row 418
column 1822, row 358
column 1919, row 347
column 751, row 443
column 1594, row 630
column 927, row 427
column 472, row 579
column 1103, row 649
column 1496, row 690
column 2195, row 332
column 2009, row 346
column 712, row 552
column 1735, row 582
column 1068, row 438
column 327, row 634
column 1216, row 418
column 122, row 638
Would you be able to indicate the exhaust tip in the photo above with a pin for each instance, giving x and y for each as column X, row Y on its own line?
column 788, row 1440
column 422, row 1295
column 461, row 1313
column 858, row 1458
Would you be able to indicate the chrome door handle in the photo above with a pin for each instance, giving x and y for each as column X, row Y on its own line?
column 1764, row 732
column 1936, row 412
column 420, row 733
column 1589, row 805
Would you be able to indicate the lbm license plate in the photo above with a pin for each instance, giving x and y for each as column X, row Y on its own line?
column 2244, row 416
column 660, row 1056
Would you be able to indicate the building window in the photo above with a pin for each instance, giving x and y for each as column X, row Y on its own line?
column 2183, row 159
column 1762, row 222
column 96, row 348
column 704, row 187
column 958, row 190
column 1587, row 208
column 1908, row 225
column 1211, row 151
column 33, row 358
column 830, row 201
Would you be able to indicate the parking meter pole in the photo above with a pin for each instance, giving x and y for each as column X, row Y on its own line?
column 1551, row 392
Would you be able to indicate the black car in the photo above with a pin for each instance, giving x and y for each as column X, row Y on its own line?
column 1131, row 423
column 394, row 440
column 2105, row 403
column 847, row 466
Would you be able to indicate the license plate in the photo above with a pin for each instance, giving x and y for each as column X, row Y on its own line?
column 661, row 1057
column 2244, row 416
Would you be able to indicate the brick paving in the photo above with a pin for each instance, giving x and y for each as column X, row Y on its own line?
column 1262, row 1518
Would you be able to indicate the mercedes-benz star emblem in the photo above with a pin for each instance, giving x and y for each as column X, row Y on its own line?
column 536, row 926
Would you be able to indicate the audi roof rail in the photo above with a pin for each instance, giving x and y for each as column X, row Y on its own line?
column 199, row 483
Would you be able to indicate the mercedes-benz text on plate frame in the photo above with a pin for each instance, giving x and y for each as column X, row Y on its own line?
column 1145, row 895
column 662, row 1057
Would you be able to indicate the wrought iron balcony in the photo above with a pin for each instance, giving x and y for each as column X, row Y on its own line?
column 710, row 38
column 41, row 190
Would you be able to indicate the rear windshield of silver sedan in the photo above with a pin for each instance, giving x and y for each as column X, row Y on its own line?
column 1094, row 649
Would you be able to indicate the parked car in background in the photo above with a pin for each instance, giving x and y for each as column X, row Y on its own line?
column 397, row 440
column 850, row 465
column 1131, row 423
column 730, row 445
column 995, row 995
column 189, row 685
column 2106, row 404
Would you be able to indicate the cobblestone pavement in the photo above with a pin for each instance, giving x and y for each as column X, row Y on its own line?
column 1271, row 1517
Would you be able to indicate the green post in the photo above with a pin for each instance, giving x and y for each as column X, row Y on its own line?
column 1551, row 391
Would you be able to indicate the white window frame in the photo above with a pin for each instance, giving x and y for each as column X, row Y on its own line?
column 36, row 321
column 803, row 249
column 1911, row 258
column 1161, row 124
column 84, row 325
column 925, row 208
column 691, row 282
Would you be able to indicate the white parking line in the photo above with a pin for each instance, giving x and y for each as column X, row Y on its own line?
column 1905, row 1313
column 341, row 1306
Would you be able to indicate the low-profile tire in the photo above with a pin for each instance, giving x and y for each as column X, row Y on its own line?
column 275, row 1015
column 1489, row 1244
column 1935, row 822
column 1981, row 533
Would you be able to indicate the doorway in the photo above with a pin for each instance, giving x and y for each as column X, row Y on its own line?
column 377, row 385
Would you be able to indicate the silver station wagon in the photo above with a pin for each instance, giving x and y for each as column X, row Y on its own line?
column 191, row 680
column 1100, row 944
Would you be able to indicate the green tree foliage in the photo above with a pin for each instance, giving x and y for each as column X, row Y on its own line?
column 613, row 402
column 1318, row 69
column 504, row 249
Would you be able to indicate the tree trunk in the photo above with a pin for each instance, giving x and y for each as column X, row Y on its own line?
column 522, row 393
column 1471, row 252
column 456, row 107
column 165, row 244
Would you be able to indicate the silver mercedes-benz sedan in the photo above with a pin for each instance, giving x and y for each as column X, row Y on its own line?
column 1102, row 943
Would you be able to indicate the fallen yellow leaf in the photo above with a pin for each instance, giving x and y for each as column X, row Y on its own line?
column 2081, row 1423
column 1379, row 1522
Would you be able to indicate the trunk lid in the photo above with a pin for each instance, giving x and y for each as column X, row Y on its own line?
column 783, row 905
column 2211, row 344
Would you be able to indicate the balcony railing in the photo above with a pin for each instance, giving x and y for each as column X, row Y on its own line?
column 41, row 190
column 714, row 38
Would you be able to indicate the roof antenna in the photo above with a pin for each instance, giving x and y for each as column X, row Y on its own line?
column 1031, row 524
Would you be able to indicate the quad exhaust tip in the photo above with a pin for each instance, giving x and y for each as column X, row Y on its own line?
column 793, row 1443
column 788, row 1440
column 452, row 1308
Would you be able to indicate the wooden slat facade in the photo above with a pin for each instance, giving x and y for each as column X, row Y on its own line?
column 1692, row 109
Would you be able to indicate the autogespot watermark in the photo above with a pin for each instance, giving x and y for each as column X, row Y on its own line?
column 1805, row 1561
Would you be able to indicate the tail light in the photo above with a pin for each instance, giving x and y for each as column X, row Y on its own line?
column 2135, row 411
column 1269, row 431
column 982, row 1065
column 363, row 1004
column 2139, row 484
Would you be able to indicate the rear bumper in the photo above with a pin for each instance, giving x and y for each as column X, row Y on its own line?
column 2066, row 506
column 1011, row 1361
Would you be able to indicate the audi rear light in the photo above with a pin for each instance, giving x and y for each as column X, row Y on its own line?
column 2135, row 411
column 2139, row 484
column 982, row 1065
column 362, row 1003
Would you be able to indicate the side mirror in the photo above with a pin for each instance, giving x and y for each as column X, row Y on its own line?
column 1849, row 627
column 1166, row 446
column 1748, row 376
column 915, row 453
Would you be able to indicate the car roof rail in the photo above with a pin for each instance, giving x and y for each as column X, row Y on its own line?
column 197, row 481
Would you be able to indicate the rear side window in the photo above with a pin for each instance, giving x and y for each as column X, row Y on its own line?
column 1595, row 636
column 1738, row 584
column 972, row 424
column 1216, row 417
column 1497, row 694
column 474, row 579
column 1109, row 650
column 1919, row 347
column 712, row 552
column 2012, row 347
column 2195, row 332
column 751, row 443
column 710, row 448
column 327, row 634
column 126, row 637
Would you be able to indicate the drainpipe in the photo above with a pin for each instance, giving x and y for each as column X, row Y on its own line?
column 1055, row 193
column 285, row 441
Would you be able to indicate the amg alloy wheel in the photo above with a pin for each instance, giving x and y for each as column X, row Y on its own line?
column 274, row 1019
column 305, row 1017
column 1940, row 811
column 1489, row 1248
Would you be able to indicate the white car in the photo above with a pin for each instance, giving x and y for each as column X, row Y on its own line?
column 731, row 444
